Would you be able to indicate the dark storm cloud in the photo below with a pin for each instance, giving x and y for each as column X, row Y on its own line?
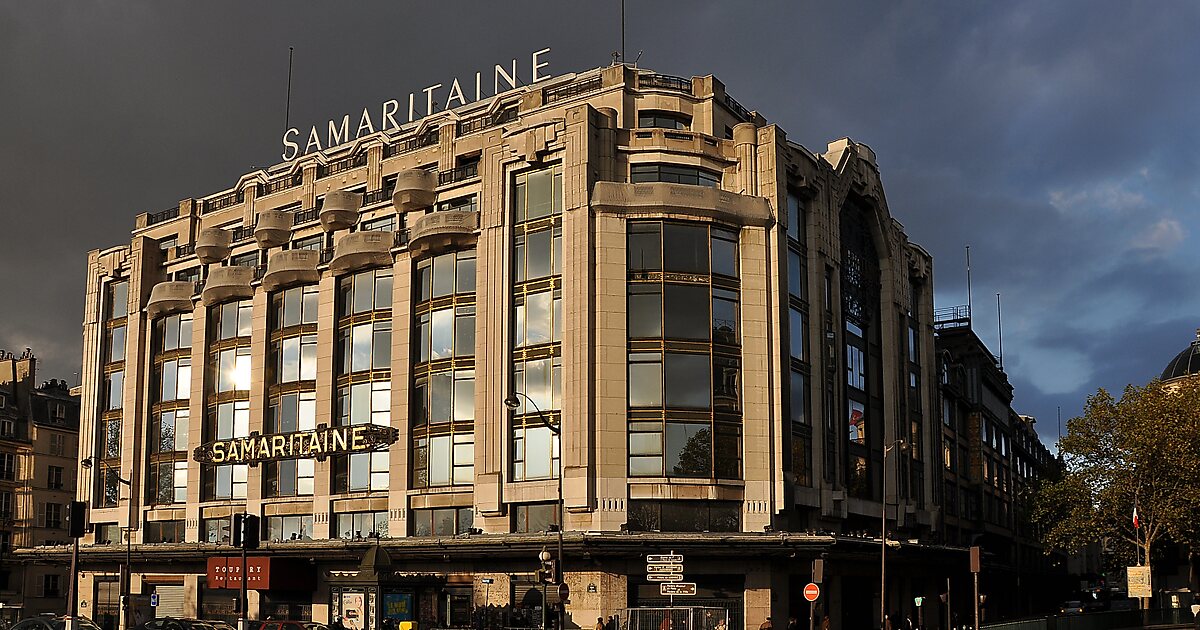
column 1054, row 138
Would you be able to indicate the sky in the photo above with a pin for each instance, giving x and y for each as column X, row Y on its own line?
column 1056, row 139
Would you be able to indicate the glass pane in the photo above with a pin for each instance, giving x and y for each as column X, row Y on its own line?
column 360, row 348
column 117, row 344
column 439, row 460
column 185, row 330
column 241, row 377
column 383, row 290
column 645, row 443
column 228, row 320
column 538, row 321
column 795, row 278
column 225, row 366
column 464, row 396
column 170, row 384
column 309, row 305
column 424, row 280
column 360, row 471
column 362, row 292
column 645, row 384
column 441, row 394
column 724, row 319
column 466, row 275
column 799, row 398
column 291, row 307
column 184, row 381
column 724, row 255
column 443, row 275
column 245, row 324
column 689, row 450
column 464, row 336
column 645, row 310
column 442, row 337
column 540, row 194
column 797, row 330
column 645, row 246
column 170, row 332
column 686, row 312
column 685, row 248
column 687, row 380
column 537, row 453
column 381, row 346
column 182, row 417
column 645, row 466
column 308, row 358
column 538, row 253
column 290, row 358
column 857, row 422
column 360, row 403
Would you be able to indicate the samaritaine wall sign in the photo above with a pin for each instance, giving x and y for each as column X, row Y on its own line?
column 318, row 443
column 429, row 102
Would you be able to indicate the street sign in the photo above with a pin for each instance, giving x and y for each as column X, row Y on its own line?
column 154, row 600
column 487, row 581
column 677, row 588
column 665, row 577
column 564, row 592
column 918, row 601
column 664, row 567
column 812, row 592
column 664, row 557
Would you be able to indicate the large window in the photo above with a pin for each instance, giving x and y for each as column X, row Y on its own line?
column 674, row 173
column 292, row 398
column 684, row 351
column 364, row 391
column 163, row 532
column 537, row 322
column 112, row 392
column 167, row 469
column 228, row 413
column 441, row 521
column 663, row 120
column 685, row 516
column 288, row 528
column 860, row 307
column 354, row 525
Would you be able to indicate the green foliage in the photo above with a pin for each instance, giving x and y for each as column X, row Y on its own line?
column 1143, row 447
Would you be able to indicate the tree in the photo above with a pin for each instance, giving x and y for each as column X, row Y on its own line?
column 1143, row 449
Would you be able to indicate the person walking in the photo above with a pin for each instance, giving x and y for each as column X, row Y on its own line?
column 766, row 625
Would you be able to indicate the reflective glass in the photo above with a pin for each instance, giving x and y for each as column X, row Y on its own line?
column 443, row 275
column 686, row 313
column 724, row 253
column 645, row 310
column 442, row 335
column 687, row 380
column 685, row 248
column 688, row 450
column 116, row 344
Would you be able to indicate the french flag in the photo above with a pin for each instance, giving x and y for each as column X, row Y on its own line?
column 1135, row 518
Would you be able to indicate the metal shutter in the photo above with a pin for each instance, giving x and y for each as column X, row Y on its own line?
column 170, row 601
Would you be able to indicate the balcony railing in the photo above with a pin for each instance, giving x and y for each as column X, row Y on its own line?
column 952, row 317
column 466, row 171
column 224, row 201
column 273, row 187
column 185, row 250
column 243, row 234
column 377, row 196
column 427, row 139
column 737, row 108
column 570, row 90
column 165, row 215
column 344, row 164
column 326, row 255
column 259, row 272
column 478, row 123
column 305, row 216
column 401, row 238
column 665, row 81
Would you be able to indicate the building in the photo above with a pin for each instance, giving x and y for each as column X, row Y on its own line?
column 717, row 336
column 992, row 460
column 39, row 430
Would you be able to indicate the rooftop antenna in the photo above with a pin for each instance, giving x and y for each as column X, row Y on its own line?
column 1060, row 422
column 622, row 31
column 1000, row 331
column 968, row 285
column 287, row 110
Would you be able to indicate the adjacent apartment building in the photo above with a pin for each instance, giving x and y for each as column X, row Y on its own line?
column 39, row 429
column 715, row 343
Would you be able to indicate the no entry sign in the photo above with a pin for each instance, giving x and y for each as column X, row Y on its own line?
column 812, row 592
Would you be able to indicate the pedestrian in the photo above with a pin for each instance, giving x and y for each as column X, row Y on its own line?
column 792, row 624
column 611, row 624
column 825, row 623
column 721, row 625
column 766, row 625
column 599, row 623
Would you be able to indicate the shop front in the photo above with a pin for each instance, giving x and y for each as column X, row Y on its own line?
column 284, row 587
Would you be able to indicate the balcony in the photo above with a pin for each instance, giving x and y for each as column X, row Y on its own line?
column 306, row 216
column 359, row 250
column 185, row 250
column 213, row 245
column 487, row 120
column 274, row 228
column 665, row 82
column 227, row 283
column 228, row 200
column 340, row 210
column 462, row 173
column 571, row 90
column 376, row 197
column 291, row 267
column 242, row 233
column 657, row 197
column 169, row 297
column 441, row 231
column 344, row 164
column 736, row 108
column 414, row 190
column 427, row 139
column 282, row 184
column 165, row 215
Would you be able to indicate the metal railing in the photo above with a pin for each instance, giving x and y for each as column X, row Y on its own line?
column 478, row 123
column 737, row 108
column 224, row 201
column 185, row 250
column 570, row 90
column 1106, row 620
column 665, row 81
column 466, row 171
column 344, row 164
column 429, row 138
column 952, row 316
column 401, row 238
column 165, row 215
column 376, row 196
column 305, row 216
column 326, row 255
column 273, row 187
column 244, row 233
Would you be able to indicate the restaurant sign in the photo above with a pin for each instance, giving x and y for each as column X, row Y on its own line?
column 317, row 443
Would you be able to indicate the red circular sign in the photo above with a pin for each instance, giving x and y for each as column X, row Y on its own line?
column 812, row 592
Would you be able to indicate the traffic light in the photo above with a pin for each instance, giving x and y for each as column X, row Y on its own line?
column 548, row 573
column 77, row 519
column 245, row 531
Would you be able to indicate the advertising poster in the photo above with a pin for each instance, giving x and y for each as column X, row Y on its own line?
column 353, row 611
column 398, row 606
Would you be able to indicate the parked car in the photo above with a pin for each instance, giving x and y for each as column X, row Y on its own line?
column 50, row 622
column 287, row 624
column 175, row 623
column 1073, row 607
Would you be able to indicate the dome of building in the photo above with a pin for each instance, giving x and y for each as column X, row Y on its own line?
column 1185, row 363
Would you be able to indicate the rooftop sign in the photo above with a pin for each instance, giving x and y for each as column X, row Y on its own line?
column 317, row 443
column 338, row 131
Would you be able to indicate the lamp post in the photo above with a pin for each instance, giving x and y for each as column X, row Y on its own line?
column 883, row 534
column 127, row 570
column 513, row 403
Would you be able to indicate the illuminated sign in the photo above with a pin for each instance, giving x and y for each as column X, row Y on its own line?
column 338, row 130
column 318, row 443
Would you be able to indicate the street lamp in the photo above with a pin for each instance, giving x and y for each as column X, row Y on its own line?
column 127, row 572
column 903, row 446
column 513, row 403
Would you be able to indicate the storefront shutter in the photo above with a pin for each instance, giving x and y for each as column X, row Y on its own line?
column 170, row 601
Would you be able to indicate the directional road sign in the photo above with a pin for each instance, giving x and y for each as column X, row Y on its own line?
column 677, row 588
column 665, row 577
column 664, row 557
column 664, row 567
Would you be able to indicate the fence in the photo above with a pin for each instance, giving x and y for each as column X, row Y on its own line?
column 677, row 618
